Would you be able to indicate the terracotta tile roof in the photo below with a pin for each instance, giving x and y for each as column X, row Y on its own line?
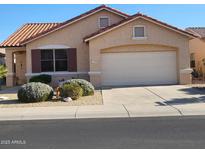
column 199, row 31
column 31, row 31
column 132, row 17
column 27, row 31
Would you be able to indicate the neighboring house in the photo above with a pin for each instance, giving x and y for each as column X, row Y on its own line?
column 103, row 45
column 2, row 56
column 197, row 50
column 2, row 62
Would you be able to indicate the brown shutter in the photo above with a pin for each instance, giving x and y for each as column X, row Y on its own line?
column 36, row 60
column 72, row 59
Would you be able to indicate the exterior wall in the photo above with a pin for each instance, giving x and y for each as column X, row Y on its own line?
column 139, row 47
column 197, row 46
column 185, row 79
column 59, row 77
column 157, row 38
column 20, row 67
column 71, row 36
column 11, row 76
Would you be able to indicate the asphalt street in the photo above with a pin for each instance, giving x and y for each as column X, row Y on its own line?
column 135, row 133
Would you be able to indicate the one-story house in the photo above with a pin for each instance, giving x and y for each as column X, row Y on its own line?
column 105, row 46
column 197, row 50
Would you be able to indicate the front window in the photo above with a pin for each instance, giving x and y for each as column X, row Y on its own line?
column 139, row 32
column 47, row 61
column 53, row 60
column 60, row 60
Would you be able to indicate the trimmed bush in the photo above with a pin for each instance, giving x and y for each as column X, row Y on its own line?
column 35, row 92
column 72, row 90
column 44, row 78
column 88, row 88
column 3, row 71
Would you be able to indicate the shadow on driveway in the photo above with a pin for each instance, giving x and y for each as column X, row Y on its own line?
column 200, row 98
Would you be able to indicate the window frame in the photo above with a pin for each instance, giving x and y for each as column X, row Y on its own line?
column 103, row 17
column 140, row 37
column 54, row 60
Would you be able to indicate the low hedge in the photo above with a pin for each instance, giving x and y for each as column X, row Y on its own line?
column 88, row 88
column 72, row 90
column 35, row 92
column 43, row 78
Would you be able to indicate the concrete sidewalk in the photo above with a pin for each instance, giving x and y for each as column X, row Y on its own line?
column 76, row 112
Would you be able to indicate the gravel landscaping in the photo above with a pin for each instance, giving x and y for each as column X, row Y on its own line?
column 10, row 100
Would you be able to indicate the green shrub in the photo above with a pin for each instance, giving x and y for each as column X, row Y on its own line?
column 3, row 71
column 35, row 92
column 72, row 90
column 43, row 78
column 88, row 88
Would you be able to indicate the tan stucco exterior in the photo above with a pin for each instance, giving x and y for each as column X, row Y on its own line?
column 120, row 39
column 72, row 36
column 20, row 67
column 197, row 46
column 157, row 38
column 17, row 77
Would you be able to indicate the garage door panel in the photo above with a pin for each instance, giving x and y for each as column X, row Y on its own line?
column 139, row 68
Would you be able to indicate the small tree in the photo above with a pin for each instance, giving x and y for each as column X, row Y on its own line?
column 3, row 72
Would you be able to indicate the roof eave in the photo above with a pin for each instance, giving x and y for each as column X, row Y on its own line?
column 12, row 46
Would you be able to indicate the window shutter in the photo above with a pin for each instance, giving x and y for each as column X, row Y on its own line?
column 36, row 60
column 72, row 59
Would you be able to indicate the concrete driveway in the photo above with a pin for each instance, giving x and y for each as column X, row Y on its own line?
column 157, row 100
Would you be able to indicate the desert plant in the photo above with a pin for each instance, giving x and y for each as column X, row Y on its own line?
column 35, row 92
column 72, row 90
column 43, row 78
column 3, row 71
column 88, row 88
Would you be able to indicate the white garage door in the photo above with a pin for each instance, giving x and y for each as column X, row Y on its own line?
column 139, row 68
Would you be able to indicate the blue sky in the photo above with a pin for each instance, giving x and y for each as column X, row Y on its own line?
column 13, row 16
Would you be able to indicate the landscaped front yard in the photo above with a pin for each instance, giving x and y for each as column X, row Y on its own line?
column 12, row 100
column 38, row 92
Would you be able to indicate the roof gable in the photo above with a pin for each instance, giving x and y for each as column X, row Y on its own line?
column 75, row 19
column 33, row 31
column 132, row 18
column 198, row 31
